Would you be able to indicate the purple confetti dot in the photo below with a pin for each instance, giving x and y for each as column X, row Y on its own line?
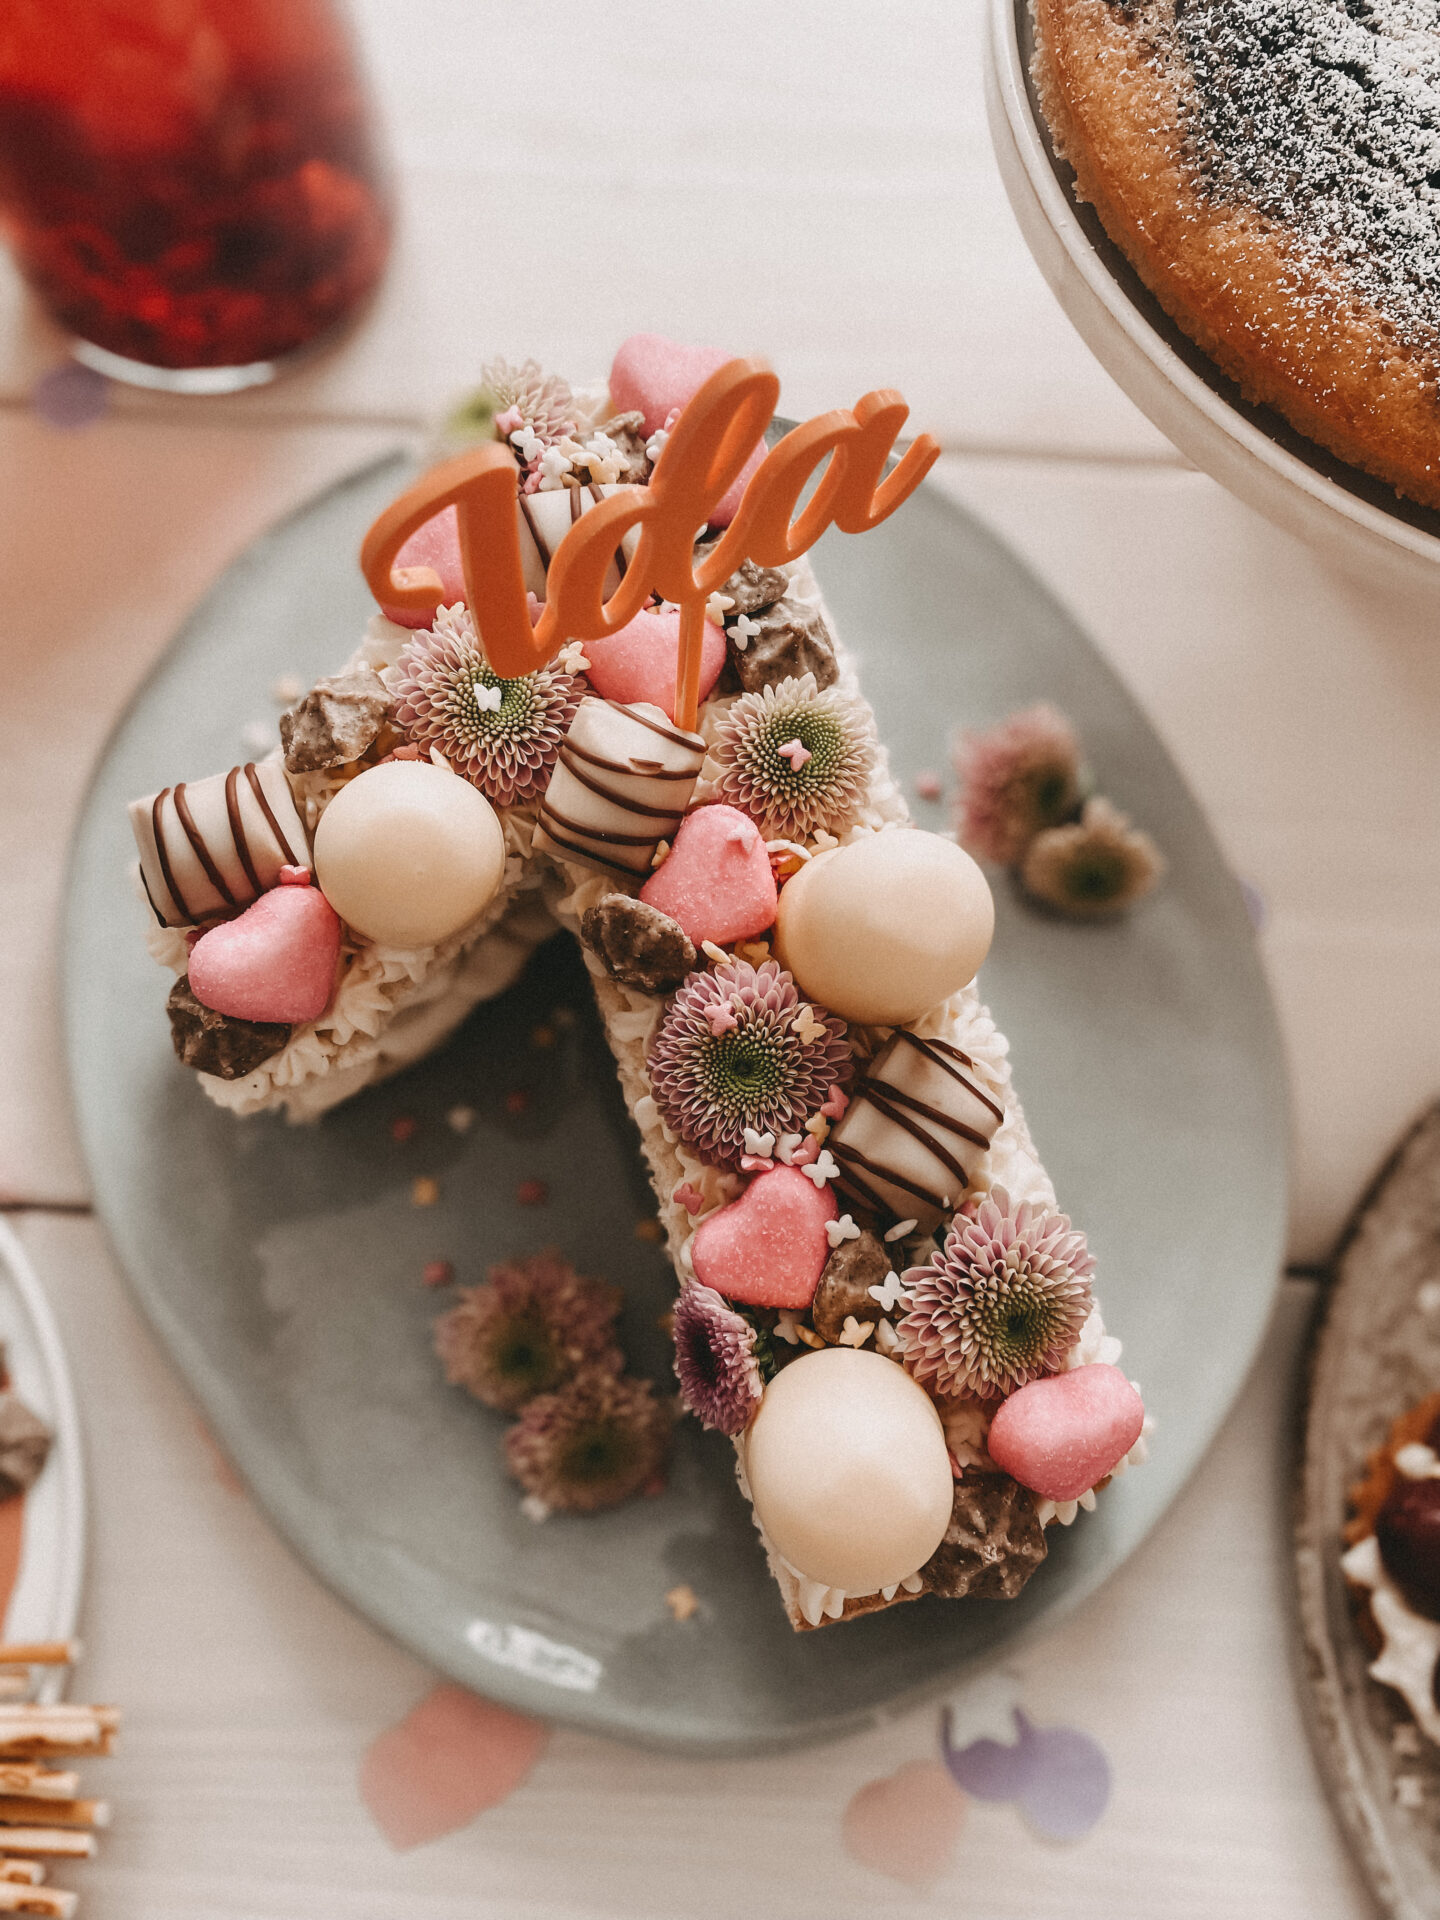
column 1254, row 905
column 989, row 1769
column 1068, row 1788
column 70, row 396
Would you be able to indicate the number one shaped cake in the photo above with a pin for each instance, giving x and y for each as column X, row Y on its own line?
column 603, row 690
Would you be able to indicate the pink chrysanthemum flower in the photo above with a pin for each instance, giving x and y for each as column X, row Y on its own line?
column 532, row 1326
column 1001, row 1303
column 759, row 1072
column 1094, row 868
column 715, row 1359
column 501, row 735
column 591, row 1445
column 792, row 794
column 1016, row 780
column 543, row 400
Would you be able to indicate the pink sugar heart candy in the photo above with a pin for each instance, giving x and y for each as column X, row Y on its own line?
column 435, row 545
column 768, row 1247
column 638, row 662
column 653, row 375
column 276, row 962
column 1060, row 1436
column 716, row 880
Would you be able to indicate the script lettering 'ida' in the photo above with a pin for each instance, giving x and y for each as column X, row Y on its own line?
column 704, row 455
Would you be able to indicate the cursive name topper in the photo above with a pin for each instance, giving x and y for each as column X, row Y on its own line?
column 701, row 460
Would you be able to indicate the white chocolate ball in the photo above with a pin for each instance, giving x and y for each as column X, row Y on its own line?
column 884, row 929
column 409, row 854
column 848, row 1469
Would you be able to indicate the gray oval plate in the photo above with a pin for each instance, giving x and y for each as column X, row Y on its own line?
column 281, row 1266
column 1377, row 1353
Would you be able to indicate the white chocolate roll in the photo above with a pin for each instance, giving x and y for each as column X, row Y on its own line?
column 546, row 518
column 620, row 786
column 916, row 1132
column 212, row 846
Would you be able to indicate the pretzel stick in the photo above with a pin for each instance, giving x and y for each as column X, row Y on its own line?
column 37, row 1782
column 48, row 1900
column 15, row 1686
column 18, row 1810
column 40, row 1653
column 29, row 1871
column 54, row 1842
column 32, row 1731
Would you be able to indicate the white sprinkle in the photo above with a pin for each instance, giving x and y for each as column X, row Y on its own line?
column 890, row 1293
column 743, row 631
column 460, row 1119
column 534, row 1508
column 822, row 1168
column 901, row 1228
column 717, row 955
column 762, row 1145
column 487, row 699
column 837, row 1232
column 287, row 690
column 855, row 1332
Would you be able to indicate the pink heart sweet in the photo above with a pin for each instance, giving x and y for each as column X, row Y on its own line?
column 276, row 962
column 638, row 662
column 435, row 545
column 716, row 880
column 1060, row 1436
column 654, row 376
column 767, row 1248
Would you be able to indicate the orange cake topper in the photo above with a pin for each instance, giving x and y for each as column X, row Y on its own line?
column 703, row 457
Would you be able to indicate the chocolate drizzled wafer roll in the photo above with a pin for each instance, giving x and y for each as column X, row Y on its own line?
column 546, row 518
column 212, row 846
column 621, row 784
column 916, row 1132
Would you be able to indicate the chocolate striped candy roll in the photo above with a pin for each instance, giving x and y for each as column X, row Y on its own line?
column 546, row 518
column 620, row 786
column 916, row 1132
column 211, row 846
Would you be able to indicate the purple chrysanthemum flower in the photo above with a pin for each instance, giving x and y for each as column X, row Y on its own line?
column 715, row 1359
column 591, row 1445
column 1001, row 1303
column 756, row 1071
column 1016, row 780
column 534, row 1324
column 501, row 735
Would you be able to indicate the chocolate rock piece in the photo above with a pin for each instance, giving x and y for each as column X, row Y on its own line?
column 24, row 1445
column 993, row 1544
column 627, row 430
column 750, row 587
column 217, row 1043
column 793, row 640
column 207, row 846
column 546, row 518
column 844, row 1290
column 637, row 944
column 620, row 786
column 916, row 1132
column 335, row 722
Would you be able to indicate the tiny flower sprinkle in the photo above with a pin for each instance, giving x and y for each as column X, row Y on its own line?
column 837, row 1232
column 805, row 1026
column 532, row 1193
column 824, row 1167
column 460, row 1119
column 716, row 608
column 760, row 1144
column 753, row 952
column 806, row 1154
column 787, row 1146
column 787, row 1327
column 722, row 1017
column 834, row 1107
column 796, row 752
column 818, row 1127
column 650, row 1231
column 438, row 1273
column 890, row 1293
column 743, row 631
column 688, row 1197
column 682, row 1603
column 855, row 1332
column 424, row 1192
column 403, row 1127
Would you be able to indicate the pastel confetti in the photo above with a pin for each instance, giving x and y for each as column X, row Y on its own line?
column 438, row 1273
column 450, row 1758
column 992, row 1769
column 1069, row 1787
column 70, row 396
column 906, row 1826
column 532, row 1193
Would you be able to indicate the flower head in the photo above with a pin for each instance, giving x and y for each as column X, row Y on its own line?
column 1016, row 780
column 532, row 1326
column 590, row 1445
column 1002, row 1302
column 501, row 735
column 543, row 401
column 1098, row 866
column 761, row 1073
column 795, row 759
column 715, row 1359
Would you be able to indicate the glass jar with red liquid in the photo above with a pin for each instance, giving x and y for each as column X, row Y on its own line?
column 194, row 188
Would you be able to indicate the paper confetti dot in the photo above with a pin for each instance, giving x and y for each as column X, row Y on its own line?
column 460, row 1119
column 1069, row 1786
column 532, row 1193
column 992, row 1769
column 650, row 1230
column 438, row 1273
column 542, row 1037
column 682, row 1602
column 424, row 1192
column 449, row 1759
column 928, row 786
column 404, row 1127
column 70, row 396
column 517, row 1101
column 906, row 1825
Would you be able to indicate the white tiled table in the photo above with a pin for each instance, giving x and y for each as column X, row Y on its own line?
column 814, row 182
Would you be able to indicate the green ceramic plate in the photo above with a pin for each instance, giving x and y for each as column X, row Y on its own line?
column 281, row 1266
